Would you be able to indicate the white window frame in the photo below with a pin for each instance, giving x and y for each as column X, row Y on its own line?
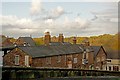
column 17, row 58
column 75, row 60
column 27, row 60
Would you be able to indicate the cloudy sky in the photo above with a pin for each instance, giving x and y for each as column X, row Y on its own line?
column 70, row 18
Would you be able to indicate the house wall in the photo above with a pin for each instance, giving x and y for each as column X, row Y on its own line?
column 79, row 60
column 20, row 41
column 90, row 60
column 9, row 58
column 66, row 61
column 100, row 60
column 113, row 63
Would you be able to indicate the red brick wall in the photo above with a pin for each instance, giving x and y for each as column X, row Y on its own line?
column 79, row 60
column 90, row 59
column 64, row 61
column 20, row 41
column 37, row 62
column 41, row 62
column 9, row 58
column 101, row 54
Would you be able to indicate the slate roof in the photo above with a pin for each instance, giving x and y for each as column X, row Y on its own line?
column 28, row 40
column 58, row 43
column 95, row 49
column 115, row 55
column 7, row 48
column 42, row 51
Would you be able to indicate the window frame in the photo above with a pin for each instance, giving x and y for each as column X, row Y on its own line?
column 26, row 60
column 98, row 59
column 17, row 59
column 75, row 60
column 59, row 58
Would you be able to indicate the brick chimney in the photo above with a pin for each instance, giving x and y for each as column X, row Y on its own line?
column 47, row 38
column 74, row 40
column 86, row 42
column 61, row 38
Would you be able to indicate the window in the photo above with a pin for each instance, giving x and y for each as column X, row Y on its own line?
column 109, row 68
column 86, row 55
column 115, row 68
column 103, row 58
column 58, row 59
column 83, row 56
column 108, row 61
column 26, row 60
column 75, row 60
column 106, row 67
column 16, row 59
column 98, row 59
column 48, row 60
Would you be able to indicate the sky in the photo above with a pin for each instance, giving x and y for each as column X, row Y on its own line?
column 72, row 18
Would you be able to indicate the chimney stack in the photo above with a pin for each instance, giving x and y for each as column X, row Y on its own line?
column 74, row 40
column 61, row 38
column 47, row 38
column 87, row 43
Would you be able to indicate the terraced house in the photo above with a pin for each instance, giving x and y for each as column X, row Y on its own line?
column 56, row 54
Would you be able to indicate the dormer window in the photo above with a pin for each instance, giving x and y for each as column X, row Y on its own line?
column 28, row 44
column 24, row 44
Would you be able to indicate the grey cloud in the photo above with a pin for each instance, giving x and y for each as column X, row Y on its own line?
column 106, row 15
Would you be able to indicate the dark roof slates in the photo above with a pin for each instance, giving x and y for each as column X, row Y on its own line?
column 42, row 51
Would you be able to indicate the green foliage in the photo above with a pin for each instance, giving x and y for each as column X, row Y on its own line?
column 39, row 41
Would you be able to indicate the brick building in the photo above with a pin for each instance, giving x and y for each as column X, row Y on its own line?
column 24, row 41
column 56, row 54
